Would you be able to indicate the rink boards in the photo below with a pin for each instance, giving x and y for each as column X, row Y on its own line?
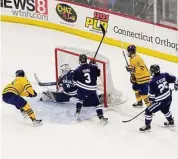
column 150, row 39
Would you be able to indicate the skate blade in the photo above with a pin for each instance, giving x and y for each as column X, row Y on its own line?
column 77, row 117
column 169, row 126
column 145, row 131
column 37, row 124
column 104, row 123
column 137, row 106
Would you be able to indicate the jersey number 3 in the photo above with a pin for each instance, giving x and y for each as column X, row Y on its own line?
column 88, row 78
column 163, row 86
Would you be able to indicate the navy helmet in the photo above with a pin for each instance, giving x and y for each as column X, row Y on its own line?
column 131, row 49
column 82, row 59
column 20, row 73
column 154, row 69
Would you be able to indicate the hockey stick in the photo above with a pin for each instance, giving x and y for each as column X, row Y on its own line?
column 44, row 84
column 124, row 56
column 104, row 33
column 138, row 114
column 125, row 121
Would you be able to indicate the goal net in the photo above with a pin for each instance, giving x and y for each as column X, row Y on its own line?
column 66, row 55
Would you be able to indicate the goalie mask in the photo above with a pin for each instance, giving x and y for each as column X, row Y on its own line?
column 65, row 68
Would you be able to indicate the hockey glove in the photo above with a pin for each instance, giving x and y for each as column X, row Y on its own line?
column 176, row 85
column 130, row 69
column 30, row 95
column 132, row 78
column 92, row 61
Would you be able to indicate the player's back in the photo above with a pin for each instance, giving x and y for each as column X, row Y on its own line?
column 142, row 74
column 86, row 76
column 18, row 85
column 159, row 86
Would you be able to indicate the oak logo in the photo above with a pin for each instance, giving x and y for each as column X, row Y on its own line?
column 66, row 13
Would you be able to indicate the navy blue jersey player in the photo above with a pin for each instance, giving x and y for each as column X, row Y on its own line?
column 85, row 77
column 66, row 87
column 160, row 96
column 65, row 81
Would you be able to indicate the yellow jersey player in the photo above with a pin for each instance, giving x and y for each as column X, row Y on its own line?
column 13, row 92
column 140, row 77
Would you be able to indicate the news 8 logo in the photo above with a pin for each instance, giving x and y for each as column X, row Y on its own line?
column 41, row 6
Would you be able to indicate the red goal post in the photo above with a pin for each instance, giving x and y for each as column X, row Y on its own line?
column 66, row 55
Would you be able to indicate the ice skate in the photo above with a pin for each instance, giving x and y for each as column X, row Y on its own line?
column 170, row 123
column 77, row 115
column 103, row 121
column 145, row 128
column 37, row 122
column 138, row 104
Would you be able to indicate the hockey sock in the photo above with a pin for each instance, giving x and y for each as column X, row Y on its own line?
column 99, row 111
column 169, row 116
column 29, row 111
column 79, row 105
column 148, row 117
column 138, row 96
column 146, row 100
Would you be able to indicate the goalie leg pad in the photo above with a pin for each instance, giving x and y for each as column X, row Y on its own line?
column 61, row 97
column 47, row 96
column 55, row 96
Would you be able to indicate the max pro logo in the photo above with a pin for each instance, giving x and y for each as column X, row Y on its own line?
column 94, row 23
column 37, row 6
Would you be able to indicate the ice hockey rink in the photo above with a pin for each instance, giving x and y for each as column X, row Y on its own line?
column 32, row 49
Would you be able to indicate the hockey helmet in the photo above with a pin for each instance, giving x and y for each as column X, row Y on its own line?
column 154, row 69
column 82, row 59
column 65, row 68
column 20, row 73
column 131, row 49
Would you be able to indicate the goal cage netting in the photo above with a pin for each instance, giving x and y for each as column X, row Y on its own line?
column 69, row 55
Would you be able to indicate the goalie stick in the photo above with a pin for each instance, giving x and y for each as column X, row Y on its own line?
column 45, row 83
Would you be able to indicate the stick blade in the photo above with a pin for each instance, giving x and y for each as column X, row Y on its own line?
column 37, row 79
column 102, row 28
column 125, row 121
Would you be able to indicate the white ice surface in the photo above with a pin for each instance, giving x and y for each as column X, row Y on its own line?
column 32, row 49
